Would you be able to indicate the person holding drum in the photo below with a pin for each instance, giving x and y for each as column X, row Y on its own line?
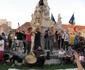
column 40, row 54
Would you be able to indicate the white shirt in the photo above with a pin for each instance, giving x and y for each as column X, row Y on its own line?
column 61, row 53
column 66, row 37
column 2, row 47
column 63, row 35
column 81, row 58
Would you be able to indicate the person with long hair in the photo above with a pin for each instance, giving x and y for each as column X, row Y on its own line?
column 28, row 40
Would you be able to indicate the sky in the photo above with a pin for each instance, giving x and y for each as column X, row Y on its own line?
column 21, row 10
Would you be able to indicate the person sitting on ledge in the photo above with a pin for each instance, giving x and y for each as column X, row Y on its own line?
column 61, row 55
column 40, row 54
column 18, row 56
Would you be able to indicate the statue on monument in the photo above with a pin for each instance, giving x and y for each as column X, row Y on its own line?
column 59, row 21
column 45, row 2
column 41, row 12
column 41, row 3
column 45, row 10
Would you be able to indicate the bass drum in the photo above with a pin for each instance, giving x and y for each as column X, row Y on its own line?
column 30, row 60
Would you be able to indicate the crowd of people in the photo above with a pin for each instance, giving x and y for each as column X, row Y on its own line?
column 19, row 43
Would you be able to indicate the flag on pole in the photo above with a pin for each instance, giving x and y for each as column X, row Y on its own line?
column 72, row 20
column 75, row 29
column 52, row 20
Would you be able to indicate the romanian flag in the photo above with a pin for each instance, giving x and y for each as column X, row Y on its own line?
column 53, row 22
column 75, row 29
column 72, row 22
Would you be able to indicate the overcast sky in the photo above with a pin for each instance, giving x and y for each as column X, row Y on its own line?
column 21, row 10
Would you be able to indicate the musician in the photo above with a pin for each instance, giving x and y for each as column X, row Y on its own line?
column 18, row 56
column 40, row 54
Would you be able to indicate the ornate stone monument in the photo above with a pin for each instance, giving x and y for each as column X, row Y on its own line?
column 41, row 18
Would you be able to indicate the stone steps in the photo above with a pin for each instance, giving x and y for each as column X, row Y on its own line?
column 53, row 57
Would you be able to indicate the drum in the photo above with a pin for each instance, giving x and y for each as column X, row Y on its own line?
column 30, row 60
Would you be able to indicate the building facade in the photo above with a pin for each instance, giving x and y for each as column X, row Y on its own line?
column 4, row 21
column 79, row 28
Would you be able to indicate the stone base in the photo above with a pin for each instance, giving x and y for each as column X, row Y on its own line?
column 52, row 62
column 53, row 57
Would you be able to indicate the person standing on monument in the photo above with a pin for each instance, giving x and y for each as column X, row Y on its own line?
column 37, row 38
column 19, row 36
column 9, row 40
column 28, row 40
column 77, row 40
column 51, row 38
column 46, row 37
column 56, row 37
column 66, row 40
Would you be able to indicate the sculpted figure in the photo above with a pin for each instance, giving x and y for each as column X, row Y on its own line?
column 59, row 19
column 41, row 3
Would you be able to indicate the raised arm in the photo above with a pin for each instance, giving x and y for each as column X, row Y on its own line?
column 78, row 61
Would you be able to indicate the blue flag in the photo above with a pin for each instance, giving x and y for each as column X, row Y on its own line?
column 72, row 20
column 52, row 18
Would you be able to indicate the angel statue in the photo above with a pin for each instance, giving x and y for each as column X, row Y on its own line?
column 59, row 19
